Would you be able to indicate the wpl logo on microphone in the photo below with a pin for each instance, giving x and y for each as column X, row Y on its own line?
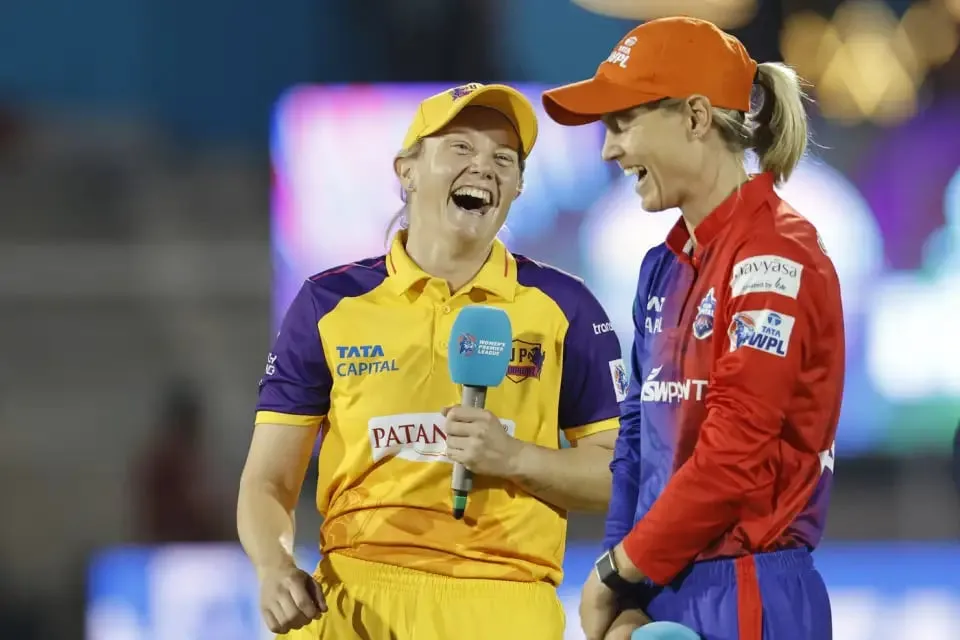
column 470, row 345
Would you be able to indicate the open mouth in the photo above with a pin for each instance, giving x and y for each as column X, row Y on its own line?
column 639, row 171
column 473, row 200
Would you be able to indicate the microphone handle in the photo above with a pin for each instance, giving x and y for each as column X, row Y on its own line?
column 462, row 482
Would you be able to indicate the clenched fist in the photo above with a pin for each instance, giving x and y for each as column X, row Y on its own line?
column 289, row 599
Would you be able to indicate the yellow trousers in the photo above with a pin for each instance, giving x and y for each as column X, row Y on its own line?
column 373, row 601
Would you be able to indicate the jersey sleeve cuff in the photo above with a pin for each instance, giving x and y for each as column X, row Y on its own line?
column 660, row 572
column 288, row 419
column 575, row 433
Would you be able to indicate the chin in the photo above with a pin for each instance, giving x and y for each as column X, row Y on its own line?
column 470, row 227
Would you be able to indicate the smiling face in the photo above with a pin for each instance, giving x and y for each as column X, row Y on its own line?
column 465, row 178
column 664, row 147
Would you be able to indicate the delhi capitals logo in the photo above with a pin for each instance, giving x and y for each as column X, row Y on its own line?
column 703, row 323
column 468, row 344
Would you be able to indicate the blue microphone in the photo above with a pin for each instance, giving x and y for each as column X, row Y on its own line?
column 478, row 355
column 664, row 631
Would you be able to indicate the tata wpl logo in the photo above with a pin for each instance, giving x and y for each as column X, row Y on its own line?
column 621, row 54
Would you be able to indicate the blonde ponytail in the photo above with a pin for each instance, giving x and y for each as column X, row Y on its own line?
column 780, row 129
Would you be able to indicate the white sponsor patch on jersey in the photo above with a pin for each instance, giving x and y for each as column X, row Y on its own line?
column 414, row 436
column 763, row 330
column 621, row 381
column 766, row 274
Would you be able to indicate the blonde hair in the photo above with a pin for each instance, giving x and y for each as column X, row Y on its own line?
column 399, row 219
column 778, row 131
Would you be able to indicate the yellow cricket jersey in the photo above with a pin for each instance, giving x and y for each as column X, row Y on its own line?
column 362, row 352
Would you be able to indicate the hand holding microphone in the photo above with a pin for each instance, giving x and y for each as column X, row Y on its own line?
column 478, row 356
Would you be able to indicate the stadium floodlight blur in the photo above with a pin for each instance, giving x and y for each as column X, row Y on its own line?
column 727, row 14
column 865, row 63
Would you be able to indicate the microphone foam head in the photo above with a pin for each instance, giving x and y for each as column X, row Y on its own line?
column 479, row 346
column 664, row 631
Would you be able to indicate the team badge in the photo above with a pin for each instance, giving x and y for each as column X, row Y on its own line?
column 703, row 323
column 526, row 361
column 464, row 90
column 621, row 381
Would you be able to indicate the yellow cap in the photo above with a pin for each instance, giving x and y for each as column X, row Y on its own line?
column 437, row 111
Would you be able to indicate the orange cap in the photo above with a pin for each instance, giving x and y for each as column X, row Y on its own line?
column 665, row 58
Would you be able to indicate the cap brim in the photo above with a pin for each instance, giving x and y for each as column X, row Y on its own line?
column 506, row 100
column 589, row 100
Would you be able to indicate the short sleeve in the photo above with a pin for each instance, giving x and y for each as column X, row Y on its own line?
column 295, row 388
column 594, row 377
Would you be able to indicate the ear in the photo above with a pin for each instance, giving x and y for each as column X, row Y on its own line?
column 700, row 115
column 404, row 168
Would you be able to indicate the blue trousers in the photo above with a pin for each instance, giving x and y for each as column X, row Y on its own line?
column 769, row 596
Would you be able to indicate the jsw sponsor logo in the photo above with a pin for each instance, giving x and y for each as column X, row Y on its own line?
column 671, row 391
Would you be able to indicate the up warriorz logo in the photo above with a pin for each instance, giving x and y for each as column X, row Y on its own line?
column 463, row 90
column 526, row 361
column 362, row 360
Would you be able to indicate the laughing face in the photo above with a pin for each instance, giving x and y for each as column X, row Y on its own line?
column 465, row 177
column 661, row 147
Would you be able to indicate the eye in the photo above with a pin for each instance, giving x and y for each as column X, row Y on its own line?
column 505, row 159
column 460, row 146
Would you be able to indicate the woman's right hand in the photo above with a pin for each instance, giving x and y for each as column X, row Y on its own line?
column 289, row 599
column 626, row 623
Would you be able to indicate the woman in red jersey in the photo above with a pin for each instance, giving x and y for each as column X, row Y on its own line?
column 724, row 461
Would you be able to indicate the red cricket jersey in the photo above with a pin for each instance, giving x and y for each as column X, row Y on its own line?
column 726, row 442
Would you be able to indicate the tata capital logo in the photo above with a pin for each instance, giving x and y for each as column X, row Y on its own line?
column 362, row 360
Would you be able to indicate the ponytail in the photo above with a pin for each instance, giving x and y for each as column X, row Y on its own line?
column 780, row 127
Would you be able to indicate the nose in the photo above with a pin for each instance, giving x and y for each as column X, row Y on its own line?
column 482, row 167
column 611, row 147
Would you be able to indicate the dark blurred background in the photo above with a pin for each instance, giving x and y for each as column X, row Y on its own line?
column 141, row 276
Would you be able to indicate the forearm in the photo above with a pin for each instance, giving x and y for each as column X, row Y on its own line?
column 574, row 479
column 624, row 491
column 265, row 526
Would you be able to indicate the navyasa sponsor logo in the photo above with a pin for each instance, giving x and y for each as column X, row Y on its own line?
column 362, row 360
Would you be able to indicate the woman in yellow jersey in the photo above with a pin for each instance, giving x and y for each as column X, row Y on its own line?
column 361, row 360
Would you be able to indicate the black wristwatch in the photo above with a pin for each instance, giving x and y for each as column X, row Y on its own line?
column 609, row 574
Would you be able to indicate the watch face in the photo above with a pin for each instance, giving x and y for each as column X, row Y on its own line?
column 605, row 567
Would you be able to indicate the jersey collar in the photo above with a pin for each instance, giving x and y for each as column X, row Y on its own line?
column 498, row 274
column 744, row 200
